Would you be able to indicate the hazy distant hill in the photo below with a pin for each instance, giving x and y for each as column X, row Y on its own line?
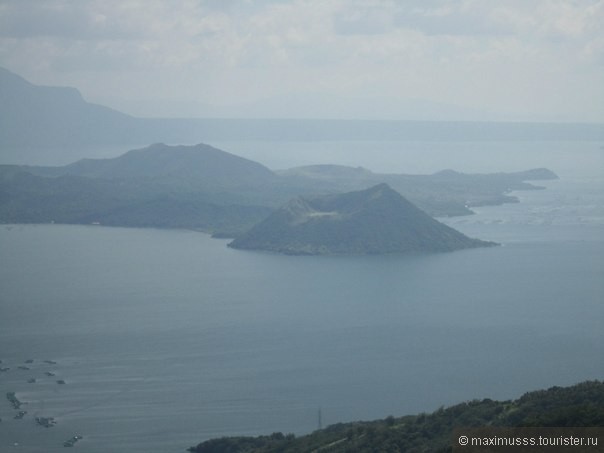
column 40, row 115
column 373, row 221
column 196, row 166
column 446, row 193
column 34, row 117
column 197, row 187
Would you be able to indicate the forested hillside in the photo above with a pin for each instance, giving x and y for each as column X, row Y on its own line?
column 581, row 405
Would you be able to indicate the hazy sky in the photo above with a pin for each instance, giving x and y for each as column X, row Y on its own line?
column 535, row 59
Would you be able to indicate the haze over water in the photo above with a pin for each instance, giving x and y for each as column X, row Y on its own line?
column 167, row 338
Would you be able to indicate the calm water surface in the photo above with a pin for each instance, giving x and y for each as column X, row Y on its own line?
column 167, row 338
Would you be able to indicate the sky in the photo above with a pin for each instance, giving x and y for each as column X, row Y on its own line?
column 535, row 60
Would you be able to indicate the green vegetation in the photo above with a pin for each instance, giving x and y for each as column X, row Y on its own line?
column 577, row 406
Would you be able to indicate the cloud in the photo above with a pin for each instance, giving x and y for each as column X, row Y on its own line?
column 452, row 19
column 474, row 52
column 64, row 19
column 364, row 19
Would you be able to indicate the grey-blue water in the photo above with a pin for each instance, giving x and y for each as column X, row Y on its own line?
column 167, row 338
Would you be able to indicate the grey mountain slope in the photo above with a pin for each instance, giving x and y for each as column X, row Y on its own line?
column 377, row 220
column 199, row 164
column 197, row 187
column 31, row 114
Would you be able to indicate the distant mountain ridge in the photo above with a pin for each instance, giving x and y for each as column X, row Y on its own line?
column 34, row 117
column 43, row 115
column 377, row 220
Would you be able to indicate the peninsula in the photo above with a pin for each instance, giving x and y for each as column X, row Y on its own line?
column 207, row 189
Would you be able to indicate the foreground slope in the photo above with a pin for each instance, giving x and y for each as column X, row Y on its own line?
column 581, row 405
column 373, row 221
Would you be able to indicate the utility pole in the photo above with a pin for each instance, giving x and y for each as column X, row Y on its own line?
column 320, row 424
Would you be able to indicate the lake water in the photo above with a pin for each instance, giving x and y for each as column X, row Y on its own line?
column 168, row 338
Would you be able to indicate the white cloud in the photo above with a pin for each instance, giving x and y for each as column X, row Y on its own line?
column 490, row 55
